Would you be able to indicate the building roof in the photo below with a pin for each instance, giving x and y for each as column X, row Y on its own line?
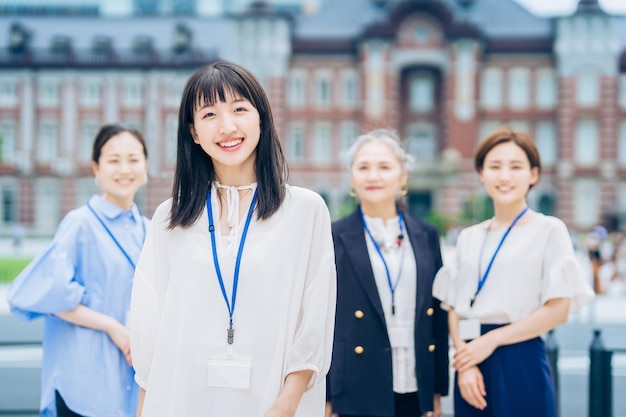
column 339, row 23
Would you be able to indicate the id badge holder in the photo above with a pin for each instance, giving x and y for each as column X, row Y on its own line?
column 469, row 329
column 230, row 370
column 399, row 336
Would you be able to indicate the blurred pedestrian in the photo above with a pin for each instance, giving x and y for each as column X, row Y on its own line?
column 514, row 278
column 390, row 355
column 17, row 235
column 81, row 286
column 233, row 231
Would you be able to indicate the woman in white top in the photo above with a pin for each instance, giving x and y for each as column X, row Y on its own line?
column 234, row 296
column 514, row 278
column 390, row 356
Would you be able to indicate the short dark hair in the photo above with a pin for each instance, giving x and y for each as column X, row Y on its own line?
column 194, row 168
column 107, row 131
column 502, row 135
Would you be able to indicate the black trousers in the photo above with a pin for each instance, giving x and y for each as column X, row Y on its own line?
column 62, row 409
column 407, row 405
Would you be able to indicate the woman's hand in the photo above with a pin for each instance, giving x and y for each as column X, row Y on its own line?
column 472, row 387
column 329, row 410
column 472, row 353
column 120, row 335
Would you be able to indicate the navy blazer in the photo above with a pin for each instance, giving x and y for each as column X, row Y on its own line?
column 360, row 380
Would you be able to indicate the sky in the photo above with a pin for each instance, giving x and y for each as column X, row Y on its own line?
column 560, row 7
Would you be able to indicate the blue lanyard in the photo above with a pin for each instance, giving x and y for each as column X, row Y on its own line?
column 392, row 285
column 481, row 281
column 119, row 245
column 230, row 332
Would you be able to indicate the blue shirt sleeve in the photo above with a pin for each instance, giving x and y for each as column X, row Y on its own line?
column 48, row 285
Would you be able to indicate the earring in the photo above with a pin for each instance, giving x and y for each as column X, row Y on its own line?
column 352, row 192
column 145, row 179
column 404, row 189
column 96, row 182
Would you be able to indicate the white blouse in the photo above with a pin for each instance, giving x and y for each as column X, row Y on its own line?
column 398, row 258
column 283, row 317
column 536, row 263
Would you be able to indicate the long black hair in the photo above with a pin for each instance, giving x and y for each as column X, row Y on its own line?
column 194, row 168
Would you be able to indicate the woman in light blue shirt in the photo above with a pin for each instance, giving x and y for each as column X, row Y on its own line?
column 81, row 286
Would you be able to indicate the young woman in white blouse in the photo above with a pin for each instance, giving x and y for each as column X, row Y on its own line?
column 390, row 355
column 234, row 296
column 514, row 278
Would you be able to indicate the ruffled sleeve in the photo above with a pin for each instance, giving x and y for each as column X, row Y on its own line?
column 445, row 285
column 145, row 308
column 48, row 285
column 312, row 344
column 563, row 276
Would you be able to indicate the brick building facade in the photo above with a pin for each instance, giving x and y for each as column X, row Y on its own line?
column 443, row 73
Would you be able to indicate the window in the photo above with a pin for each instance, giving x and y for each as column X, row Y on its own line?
column 586, row 199
column 171, row 139
column 297, row 88
column 8, row 205
column 133, row 93
column 545, row 89
column 323, row 89
column 587, row 90
column 421, row 32
column 7, row 141
column 621, row 195
column 348, row 131
column 518, row 88
column 85, row 188
column 174, row 89
column 47, row 204
column 421, row 92
column 621, row 145
column 322, row 143
column 491, row 88
column 486, row 128
column 49, row 93
column 134, row 122
column 90, row 93
column 88, row 130
column 349, row 88
column 519, row 126
column 546, row 141
column 622, row 91
column 47, row 146
column 421, row 142
column 295, row 142
column 586, row 150
column 8, row 92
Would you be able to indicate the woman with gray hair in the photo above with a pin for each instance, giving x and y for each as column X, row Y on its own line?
column 390, row 353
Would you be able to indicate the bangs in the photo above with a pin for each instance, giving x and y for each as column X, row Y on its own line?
column 215, row 86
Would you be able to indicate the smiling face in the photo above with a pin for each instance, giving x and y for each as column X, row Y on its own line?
column 507, row 174
column 377, row 175
column 229, row 132
column 121, row 169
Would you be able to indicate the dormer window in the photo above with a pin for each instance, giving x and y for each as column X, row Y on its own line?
column 61, row 44
column 18, row 38
column 143, row 45
column 182, row 39
column 102, row 45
